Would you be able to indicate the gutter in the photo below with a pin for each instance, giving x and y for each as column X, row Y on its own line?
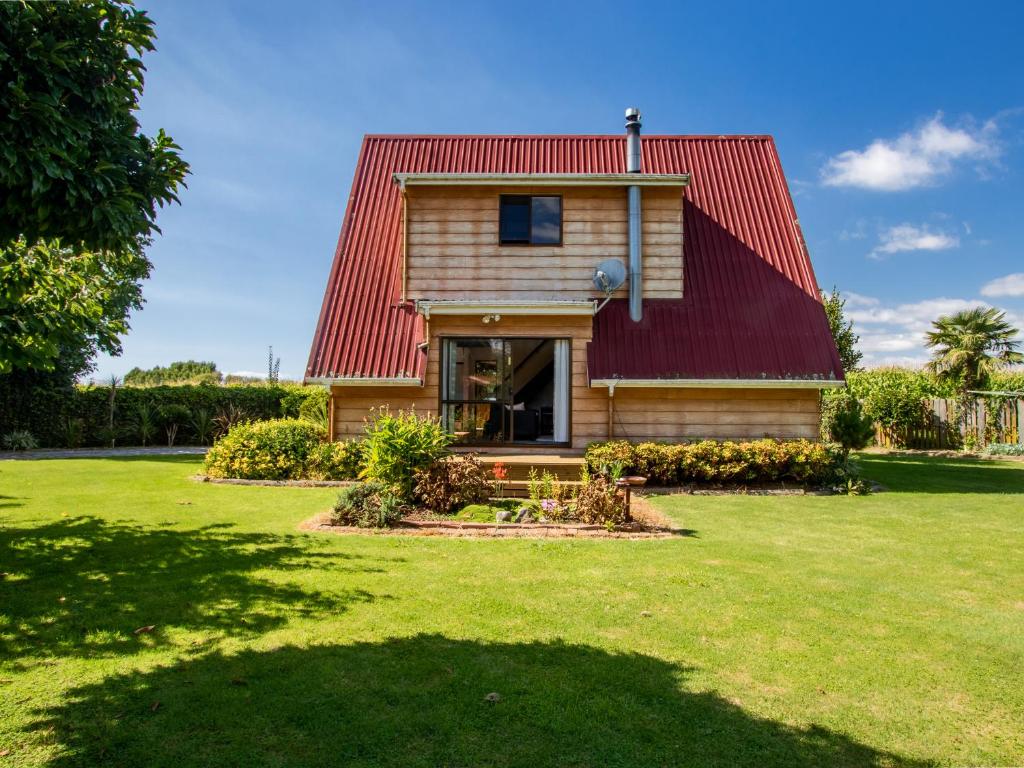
column 585, row 307
column 719, row 383
column 363, row 381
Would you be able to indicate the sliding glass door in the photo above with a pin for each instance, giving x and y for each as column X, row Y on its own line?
column 506, row 390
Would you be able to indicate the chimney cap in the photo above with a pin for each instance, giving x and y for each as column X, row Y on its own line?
column 633, row 114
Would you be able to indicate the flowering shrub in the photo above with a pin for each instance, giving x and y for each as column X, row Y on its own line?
column 500, row 472
column 452, row 482
column 710, row 461
column 265, row 450
column 335, row 461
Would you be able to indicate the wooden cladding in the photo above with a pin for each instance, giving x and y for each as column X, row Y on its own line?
column 636, row 414
column 454, row 250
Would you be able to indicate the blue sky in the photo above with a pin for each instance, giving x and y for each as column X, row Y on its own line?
column 901, row 131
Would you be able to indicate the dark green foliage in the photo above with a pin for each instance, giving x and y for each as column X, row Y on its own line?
column 371, row 504
column 452, row 482
column 308, row 403
column 173, row 417
column 710, row 461
column 74, row 163
column 851, row 427
column 265, row 450
column 54, row 299
column 19, row 440
column 842, row 330
column 181, row 372
column 42, row 403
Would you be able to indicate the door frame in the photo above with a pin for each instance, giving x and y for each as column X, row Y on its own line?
column 443, row 377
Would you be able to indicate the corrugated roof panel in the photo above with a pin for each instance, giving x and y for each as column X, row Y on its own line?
column 750, row 306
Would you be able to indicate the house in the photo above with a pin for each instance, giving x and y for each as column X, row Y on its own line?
column 549, row 291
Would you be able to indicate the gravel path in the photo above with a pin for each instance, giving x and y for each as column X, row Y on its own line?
column 101, row 453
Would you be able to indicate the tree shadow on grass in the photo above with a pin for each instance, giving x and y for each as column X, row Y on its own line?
column 82, row 586
column 423, row 701
column 933, row 474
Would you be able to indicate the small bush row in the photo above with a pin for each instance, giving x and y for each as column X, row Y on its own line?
column 710, row 461
column 1005, row 449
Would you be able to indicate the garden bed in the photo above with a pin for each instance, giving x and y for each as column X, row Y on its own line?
column 647, row 523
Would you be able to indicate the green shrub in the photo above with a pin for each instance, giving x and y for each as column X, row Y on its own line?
column 851, row 428
column 397, row 446
column 264, row 450
column 1005, row 449
column 19, row 440
column 452, row 482
column 335, row 461
column 310, row 403
column 371, row 504
column 895, row 398
column 596, row 503
column 710, row 461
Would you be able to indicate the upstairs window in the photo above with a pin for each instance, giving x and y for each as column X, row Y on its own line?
column 531, row 220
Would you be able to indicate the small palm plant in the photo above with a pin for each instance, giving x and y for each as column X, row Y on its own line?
column 202, row 426
column 968, row 347
column 145, row 422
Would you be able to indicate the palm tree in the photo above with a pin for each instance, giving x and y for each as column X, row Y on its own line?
column 969, row 346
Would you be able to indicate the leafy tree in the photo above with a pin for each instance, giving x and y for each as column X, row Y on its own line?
column 53, row 299
column 970, row 346
column 842, row 330
column 191, row 371
column 74, row 163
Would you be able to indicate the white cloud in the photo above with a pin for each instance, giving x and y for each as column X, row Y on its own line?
column 907, row 237
column 1008, row 285
column 894, row 334
column 914, row 159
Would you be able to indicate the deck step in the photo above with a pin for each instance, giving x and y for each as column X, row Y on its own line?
column 520, row 489
column 518, row 466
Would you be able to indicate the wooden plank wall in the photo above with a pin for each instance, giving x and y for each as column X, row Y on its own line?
column 453, row 250
column 728, row 414
column 589, row 420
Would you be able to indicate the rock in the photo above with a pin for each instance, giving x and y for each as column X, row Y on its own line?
column 504, row 516
column 645, row 614
column 524, row 515
column 493, row 698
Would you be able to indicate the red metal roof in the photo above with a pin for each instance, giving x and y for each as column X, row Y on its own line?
column 750, row 306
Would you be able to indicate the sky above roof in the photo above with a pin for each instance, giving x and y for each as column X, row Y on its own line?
column 901, row 132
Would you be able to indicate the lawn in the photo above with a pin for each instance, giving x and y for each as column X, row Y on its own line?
column 782, row 631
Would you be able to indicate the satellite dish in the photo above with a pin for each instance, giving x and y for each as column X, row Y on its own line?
column 609, row 275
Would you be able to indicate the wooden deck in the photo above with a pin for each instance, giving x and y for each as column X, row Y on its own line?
column 564, row 466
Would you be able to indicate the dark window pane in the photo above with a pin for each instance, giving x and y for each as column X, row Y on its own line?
column 547, row 221
column 515, row 219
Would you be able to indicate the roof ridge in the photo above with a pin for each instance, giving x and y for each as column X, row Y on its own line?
column 589, row 136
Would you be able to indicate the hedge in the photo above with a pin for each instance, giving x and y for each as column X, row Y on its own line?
column 711, row 461
column 281, row 449
column 46, row 412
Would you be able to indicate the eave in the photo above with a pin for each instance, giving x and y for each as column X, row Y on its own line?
column 364, row 381
column 583, row 307
column 404, row 180
column 720, row 383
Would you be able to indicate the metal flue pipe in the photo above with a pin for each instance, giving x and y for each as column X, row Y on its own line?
column 636, row 285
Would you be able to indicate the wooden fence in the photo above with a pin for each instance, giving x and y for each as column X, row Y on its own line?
column 941, row 431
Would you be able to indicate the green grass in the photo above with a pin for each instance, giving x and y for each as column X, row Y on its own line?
column 488, row 513
column 778, row 631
